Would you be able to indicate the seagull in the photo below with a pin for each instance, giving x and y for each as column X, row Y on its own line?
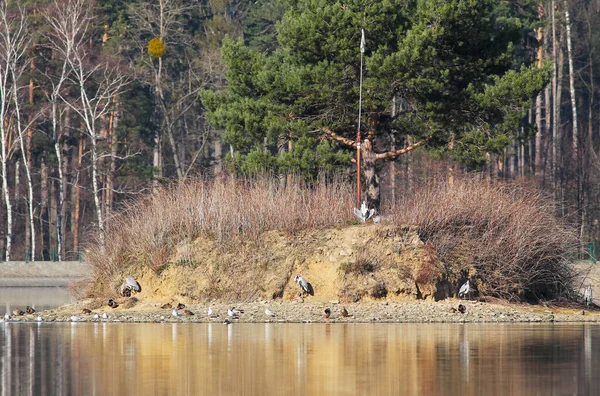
column 75, row 318
column 174, row 313
column 587, row 295
column 212, row 313
column 96, row 316
column 270, row 313
column 303, row 283
column 364, row 213
column 6, row 316
column 39, row 318
column 104, row 315
column 464, row 289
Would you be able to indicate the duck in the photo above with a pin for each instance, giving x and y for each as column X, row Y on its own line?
column 166, row 306
column 452, row 310
column 17, row 312
column 232, row 314
column 29, row 310
column 87, row 311
column 270, row 313
column 187, row 312
column 237, row 311
column 327, row 313
column 462, row 308
column 226, row 322
column 112, row 303
column 345, row 312
column 180, row 306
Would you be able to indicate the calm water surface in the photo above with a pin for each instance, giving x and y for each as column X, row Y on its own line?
column 40, row 298
column 308, row 359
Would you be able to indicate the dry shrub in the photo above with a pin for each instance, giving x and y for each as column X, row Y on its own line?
column 503, row 235
column 229, row 211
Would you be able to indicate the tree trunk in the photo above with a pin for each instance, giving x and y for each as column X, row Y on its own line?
column 114, row 147
column 371, row 179
column 538, row 101
column 4, row 159
column 77, row 205
column 572, row 83
column 44, row 218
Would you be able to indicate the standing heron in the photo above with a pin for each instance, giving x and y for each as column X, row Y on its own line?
column 587, row 295
column 303, row 283
column 465, row 290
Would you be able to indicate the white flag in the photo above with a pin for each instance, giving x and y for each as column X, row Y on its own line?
column 362, row 41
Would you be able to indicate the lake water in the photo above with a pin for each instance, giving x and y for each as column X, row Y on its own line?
column 299, row 359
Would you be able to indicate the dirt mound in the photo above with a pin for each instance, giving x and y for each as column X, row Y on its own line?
column 349, row 264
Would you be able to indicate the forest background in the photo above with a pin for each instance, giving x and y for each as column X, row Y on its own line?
column 105, row 102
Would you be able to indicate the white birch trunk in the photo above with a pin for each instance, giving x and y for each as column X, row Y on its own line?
column 572, row 83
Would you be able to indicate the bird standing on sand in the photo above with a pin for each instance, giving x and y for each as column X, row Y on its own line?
column 180, row 306
column 86, row 311
column 465, row 290
column 226, row 322
column 587, row 295
column 104, row 315
column 39, row 318
column 166, row 306
column 232, row 314
column 462, row 308
column 6, row 316
column 187, row 312
column 29, row 310
column 17, row 312
column 96, row 316
column 174, row 313
column 211, row 313
column 327, row 313
column 270, row 313
column 75, row 318
column 112, row 303
column 130, row 285
column 344, row 312
column 303, row 283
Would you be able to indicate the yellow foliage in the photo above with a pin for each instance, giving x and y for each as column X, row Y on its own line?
column 156, row 48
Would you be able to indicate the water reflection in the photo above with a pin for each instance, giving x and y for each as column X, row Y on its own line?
column 110, row 358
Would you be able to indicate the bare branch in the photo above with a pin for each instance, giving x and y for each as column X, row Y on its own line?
column 392, row 154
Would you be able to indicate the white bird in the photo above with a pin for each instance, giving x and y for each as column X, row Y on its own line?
column 96, row 316
column 75, row 318
column 364, row 213
column 231, row 313
column 212, row 313
column 104, row 315
column 39, row 318
column 174, row 313
column 587, row 295
column 270, row 313
column 303, row 283
column 6, row 317
column 464, row 289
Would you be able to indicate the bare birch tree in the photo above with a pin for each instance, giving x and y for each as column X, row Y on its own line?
column 96, row 82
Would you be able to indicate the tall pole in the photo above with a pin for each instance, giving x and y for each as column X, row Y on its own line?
column 358, row 140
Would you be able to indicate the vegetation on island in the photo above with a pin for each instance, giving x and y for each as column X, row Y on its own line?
column 133, row 129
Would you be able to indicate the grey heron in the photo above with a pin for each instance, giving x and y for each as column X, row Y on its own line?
column 133, row 284
column 465, row 289
column 364, row 213
column 304, row 284
column 587, row 295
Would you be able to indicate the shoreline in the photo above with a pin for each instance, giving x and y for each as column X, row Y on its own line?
column 295, row 312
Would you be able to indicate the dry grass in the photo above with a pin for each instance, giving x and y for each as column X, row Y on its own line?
column 231, row 212
column 503, row 236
